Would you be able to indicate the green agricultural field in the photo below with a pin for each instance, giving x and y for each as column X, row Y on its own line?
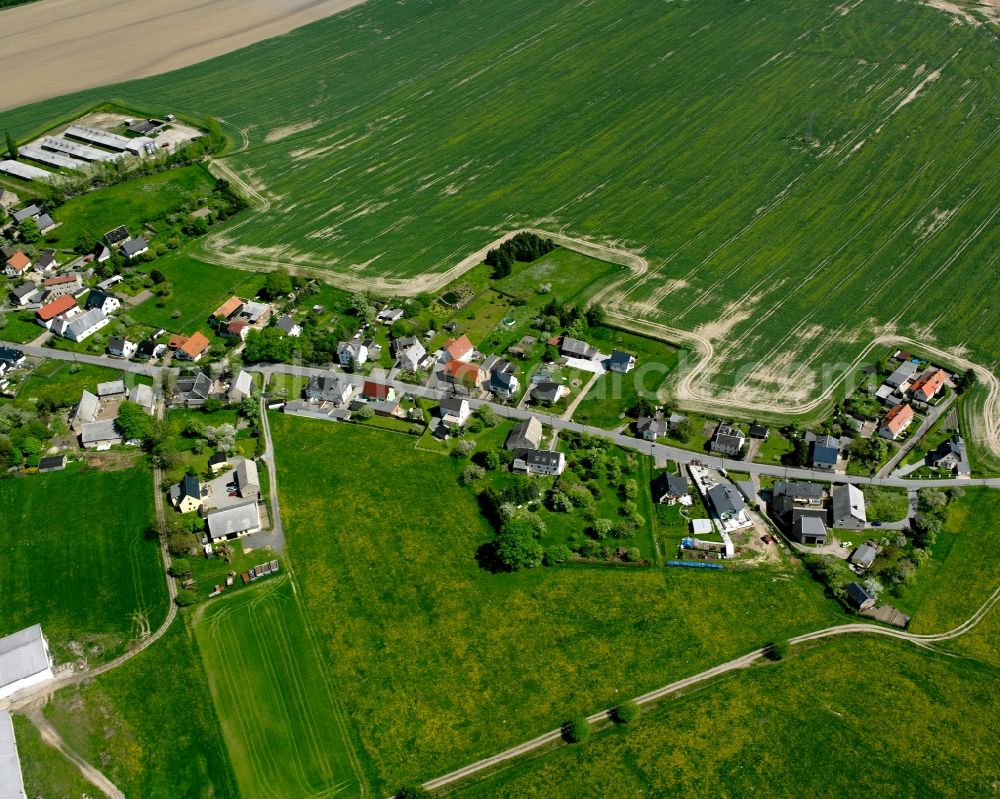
column 77, row 559
column 961, row 574
column 763, row 159
column 928, row 724
column 615, row 394
column 438, row 662
column 133, row 204
column 280, row 722
column 150, row 724
column 198, row 289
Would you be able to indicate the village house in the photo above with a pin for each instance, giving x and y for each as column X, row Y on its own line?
column 352, row 353
column 107, row 302
column 247, row 478
column 233, row 521
column 951, row 455
column 847, row 508
column 80, row 327
column 728, row 439
column 46, row 262
column 288, row 326
column 228, row 309
column 8, row 199
column 809, row 530
column 63, row 307
column 18, row 265
column 454, row 411
column 574, row 348
column 378, row 392
column 100, row 435
column 900, row 378
column 116, row 236
column 256, row 313
column 63, row 284
column 25, row 660
column 409, row 352
column 548, row 391
column 539, row 461
column 24, row 294
column 194, row 347
column 121, row 347
column 51, row 463
column 726, row 501
column 100, row 253
column 28, row 212
column 458, row 349
column 525, row 435
column 143, row 396
column 193, row 390
column 111, row 390
column 11, row 358
column 240, row 387
column 186, row 495
column 859, row 597
column 651, row 428
column 148, row 348
column 217, row 462
column 895, row 422
column 825, row 453
column 500, row 377
column 668, row 488
column 621, row 362
column 928, row 385
column 86, row 410
column 462, row 373
column 864, row 556
column 791, row 501
column 389, row 315
column 133, row 248
column 329, row 388
column 759, row 431
column 45, row 223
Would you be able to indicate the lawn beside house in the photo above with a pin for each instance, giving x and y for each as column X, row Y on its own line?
column 439, row 662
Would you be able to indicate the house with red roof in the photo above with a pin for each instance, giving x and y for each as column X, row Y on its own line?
column 228, row 309
column 373, row 390
column 17, row 265
column 461, row 373
column 929, row 384
column 895, row 421
column 64, row 307
column 194, row 347
column 458, row 349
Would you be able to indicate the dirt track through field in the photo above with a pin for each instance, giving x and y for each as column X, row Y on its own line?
column 55, row 47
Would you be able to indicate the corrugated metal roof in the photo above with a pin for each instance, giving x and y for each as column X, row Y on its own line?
column 11, row 782
column 22, row 654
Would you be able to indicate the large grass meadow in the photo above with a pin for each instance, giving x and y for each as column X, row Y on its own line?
column 281, row 725
column 798, row 177
column 848, row 718
column 438, row 662
column 76, row 560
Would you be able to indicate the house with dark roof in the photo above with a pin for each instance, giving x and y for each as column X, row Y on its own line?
column 525, row 435
column 903, row 374
column 651, row 428
column 24, row 295
column 46, row 261
column 728, row 439
column 809, row 530
column 825, row 453
column 287, row 325
column 28, row 212
column 951, row 455
column 133, row 248
column 859, row 597
column 352, row 353
column 101, row 435
column 104, row 300
column 759, row 431
column 454, row 411
column 100, row 253
column 329, row 388
column 864, row 555
column 574, row 348
column 217, row 462
column 116, row 235
column 847, row 508
column 186, row 495
column 790, row 501
column 121, row 347
column 727, row 501
column 52, row 463
column 539, row 461
column 11, row 357
column 45, row 223
column 192, row 391
column 669, row 488
column 622, row 362
column 548, row 391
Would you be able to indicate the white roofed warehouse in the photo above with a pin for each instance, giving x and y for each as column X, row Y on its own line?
column 24, row 660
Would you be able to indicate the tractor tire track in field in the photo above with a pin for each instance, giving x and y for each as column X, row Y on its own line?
column 50, row 735
column 554, row 737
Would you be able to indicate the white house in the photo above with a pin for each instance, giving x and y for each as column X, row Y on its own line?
column 24, row 660
column 122, row 347
column 288, row 326
column 241, row 386
column 455, row 410
column 133, row 248
column 82, row 326
column 539, row 461
column 352, row 353
column 100, row 435
column 107, row 302
column 622, row 362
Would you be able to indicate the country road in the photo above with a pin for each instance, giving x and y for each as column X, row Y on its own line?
column 683, row 456
column 742, row 662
